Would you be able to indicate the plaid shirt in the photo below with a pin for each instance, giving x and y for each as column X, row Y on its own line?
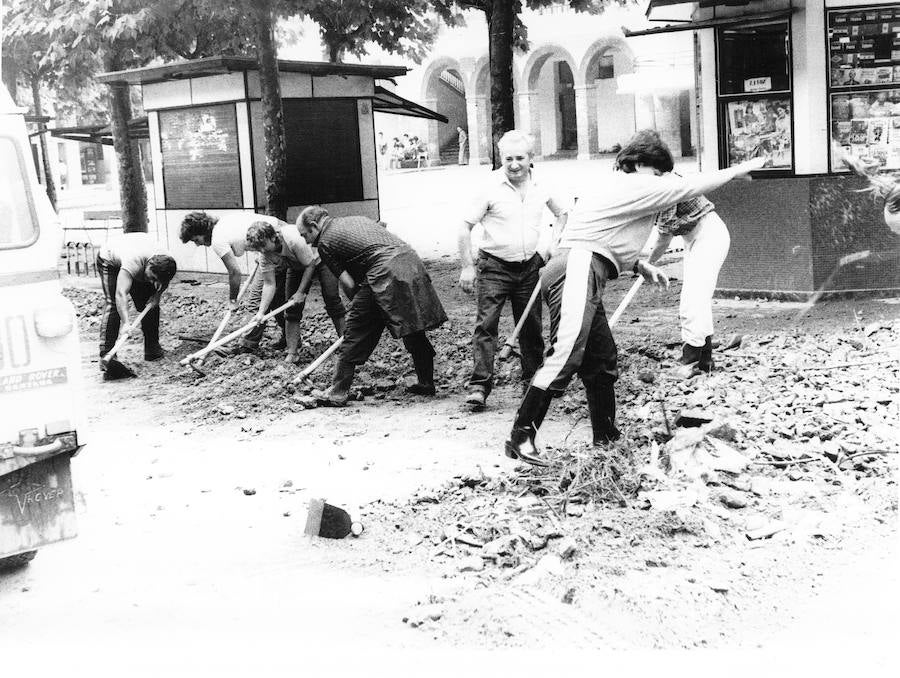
column 356, row 244
column 683, row 218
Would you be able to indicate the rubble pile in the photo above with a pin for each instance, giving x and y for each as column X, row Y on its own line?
column 262, row 383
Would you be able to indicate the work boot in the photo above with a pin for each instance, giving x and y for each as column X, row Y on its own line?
column 153, row 351
column 281, row 343
column 690, row 355
column 338, row 393
column 477, row 398
column 423, row 361
column 601, row 400
column 705, row 363
column 529, row 418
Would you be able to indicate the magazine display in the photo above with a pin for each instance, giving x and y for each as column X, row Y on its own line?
column 760, row 128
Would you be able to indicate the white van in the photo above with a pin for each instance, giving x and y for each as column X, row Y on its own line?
column 42, row 419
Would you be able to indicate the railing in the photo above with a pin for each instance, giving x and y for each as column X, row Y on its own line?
column 453, row 82
column 80, row 257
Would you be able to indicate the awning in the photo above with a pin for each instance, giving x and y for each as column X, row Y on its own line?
column 386, row 101
column 743, row 20
column 138, row 128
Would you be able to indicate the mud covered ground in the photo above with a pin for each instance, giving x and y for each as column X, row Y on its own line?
column 584, row 554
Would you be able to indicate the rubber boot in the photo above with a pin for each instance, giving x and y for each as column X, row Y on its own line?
column 705, row 363
column 690, row 355
column 292, row 340
column 338, row 393
column 529, row 418
column 601, row 400
column 423, row 361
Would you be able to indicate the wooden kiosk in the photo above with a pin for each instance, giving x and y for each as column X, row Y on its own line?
column 207, row 146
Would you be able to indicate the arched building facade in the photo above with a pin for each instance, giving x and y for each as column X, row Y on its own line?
column 580, row 89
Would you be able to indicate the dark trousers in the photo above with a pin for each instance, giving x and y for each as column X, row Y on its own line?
column 365, row 325
column 580, row 339
column 496, row 282
column 141, row 293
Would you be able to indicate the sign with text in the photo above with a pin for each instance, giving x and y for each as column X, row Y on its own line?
column 757, row 84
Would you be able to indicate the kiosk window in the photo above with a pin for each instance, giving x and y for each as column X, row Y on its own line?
column 322, row 151
column 755, row 102
column 200, row 164
column 864, row 85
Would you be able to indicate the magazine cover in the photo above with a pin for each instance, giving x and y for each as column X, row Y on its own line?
column 878, row 131
column 883, row 74
column 867, row 76
column 859, row 131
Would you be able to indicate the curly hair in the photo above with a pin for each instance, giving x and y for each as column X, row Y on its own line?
column 258, row 233
column 196, row 223
column 645, row 148
column 163, row 267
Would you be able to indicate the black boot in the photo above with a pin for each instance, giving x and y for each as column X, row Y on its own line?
column 706, row 360
column 422, row 354
column 690, row 355
column 528, row 420
column 601, row 400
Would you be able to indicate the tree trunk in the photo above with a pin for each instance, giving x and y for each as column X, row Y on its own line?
column 49, row 184
column 273, row 114
column 132, row 192
column 501, row 18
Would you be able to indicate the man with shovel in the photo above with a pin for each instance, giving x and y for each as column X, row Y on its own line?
column 510, row 209
column 226, row 236
column 389, row 287
column 605, row 236
column 131, row 264
column 284, row 247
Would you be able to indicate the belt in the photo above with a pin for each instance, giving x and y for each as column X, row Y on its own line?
column 514, row 265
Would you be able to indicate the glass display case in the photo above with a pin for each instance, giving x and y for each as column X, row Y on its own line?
column 755, row 96
column 864, row 85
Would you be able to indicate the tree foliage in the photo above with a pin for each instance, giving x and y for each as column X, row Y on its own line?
column 404, row 27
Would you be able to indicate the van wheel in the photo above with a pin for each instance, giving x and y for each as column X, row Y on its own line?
column 17, row 561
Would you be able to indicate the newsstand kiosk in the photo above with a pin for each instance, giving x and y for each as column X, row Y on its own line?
column 803, row 83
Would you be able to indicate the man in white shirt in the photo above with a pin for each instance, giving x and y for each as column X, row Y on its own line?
column 286, row 247
column 515, row 246
column 135, row 265
column 227, row 236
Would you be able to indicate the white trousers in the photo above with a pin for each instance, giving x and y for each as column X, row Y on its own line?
column 705, row 249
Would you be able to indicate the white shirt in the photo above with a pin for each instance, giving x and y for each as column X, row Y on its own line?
column 295, row 250
column 512, row 222
column 130, row 252
column 230, row 232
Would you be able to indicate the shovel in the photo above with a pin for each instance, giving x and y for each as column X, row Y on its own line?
column 227, row 317
column 326, row 354
column 228, row 338
column 105, row 360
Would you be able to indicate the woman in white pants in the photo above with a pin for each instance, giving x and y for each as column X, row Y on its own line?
column 706, row 243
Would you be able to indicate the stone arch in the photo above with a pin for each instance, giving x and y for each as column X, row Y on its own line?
column 549, row 96
column 448, row 97
column 600, row 96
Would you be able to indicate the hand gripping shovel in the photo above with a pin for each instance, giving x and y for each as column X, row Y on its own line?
column 227, row 317
column 117, row 369
column 228, row 338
